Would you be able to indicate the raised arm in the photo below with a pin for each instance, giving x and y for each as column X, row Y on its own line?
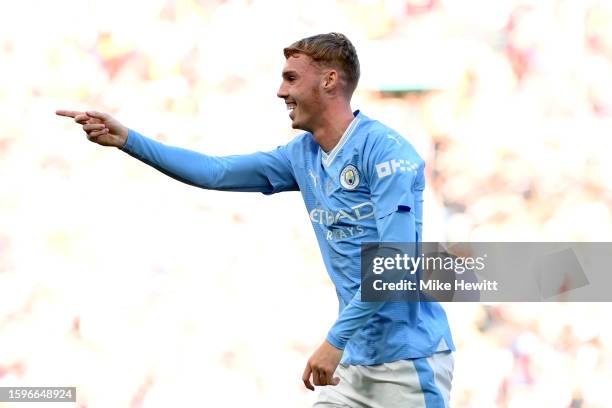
column 265, row 172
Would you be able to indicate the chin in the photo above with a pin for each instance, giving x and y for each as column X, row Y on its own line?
column 296, row 125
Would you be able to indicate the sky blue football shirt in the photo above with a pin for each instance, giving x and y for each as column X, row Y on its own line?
column 369, row 188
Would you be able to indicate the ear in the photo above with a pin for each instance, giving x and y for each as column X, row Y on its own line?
column 330, row 80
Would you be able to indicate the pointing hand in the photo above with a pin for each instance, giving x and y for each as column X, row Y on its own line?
column 101, row 128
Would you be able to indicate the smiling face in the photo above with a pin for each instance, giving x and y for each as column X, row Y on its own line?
column 302, row 91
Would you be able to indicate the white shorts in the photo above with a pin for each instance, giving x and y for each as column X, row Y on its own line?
column 415, row 383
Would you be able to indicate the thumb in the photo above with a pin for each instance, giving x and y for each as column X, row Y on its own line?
column 98, row 115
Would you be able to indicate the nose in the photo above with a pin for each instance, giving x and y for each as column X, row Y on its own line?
column 282, row 92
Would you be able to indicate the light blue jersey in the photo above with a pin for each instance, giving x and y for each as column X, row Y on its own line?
column 369, row 188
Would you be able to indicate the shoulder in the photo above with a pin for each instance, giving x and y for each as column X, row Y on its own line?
column 303, row 142
column 381, row 142
column 297, row 148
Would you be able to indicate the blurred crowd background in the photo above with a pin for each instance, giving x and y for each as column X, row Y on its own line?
column 144, row 292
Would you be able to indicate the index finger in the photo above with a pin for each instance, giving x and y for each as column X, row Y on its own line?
column 306, row 377
column 68, row 113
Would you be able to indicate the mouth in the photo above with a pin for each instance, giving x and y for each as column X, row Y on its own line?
column 291, row 108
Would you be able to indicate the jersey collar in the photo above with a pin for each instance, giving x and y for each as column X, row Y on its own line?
column 328, row 158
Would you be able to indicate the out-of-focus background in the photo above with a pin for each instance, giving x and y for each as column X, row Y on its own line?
column 145, row 292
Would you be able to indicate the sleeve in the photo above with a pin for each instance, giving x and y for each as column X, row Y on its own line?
column 395, row 174
column 265, row 172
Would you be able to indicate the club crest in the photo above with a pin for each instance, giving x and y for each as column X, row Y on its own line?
column 349, row 177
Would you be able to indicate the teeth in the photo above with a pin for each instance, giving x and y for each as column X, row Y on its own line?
column 290, row 107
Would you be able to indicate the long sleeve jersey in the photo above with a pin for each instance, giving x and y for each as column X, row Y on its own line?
column 369, row 188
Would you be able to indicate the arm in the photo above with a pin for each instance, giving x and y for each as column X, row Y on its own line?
column 268, row 173
column 396, row 192
column 396, row 177
column 399, row 226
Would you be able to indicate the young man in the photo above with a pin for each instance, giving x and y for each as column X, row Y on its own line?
column 361, row 181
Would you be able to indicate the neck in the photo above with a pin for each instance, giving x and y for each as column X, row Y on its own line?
column 333, row 122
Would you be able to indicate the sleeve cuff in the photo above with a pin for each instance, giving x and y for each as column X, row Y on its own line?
column 335, row 342
column 129, row 143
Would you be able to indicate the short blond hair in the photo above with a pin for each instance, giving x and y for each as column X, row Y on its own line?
column 333, row 50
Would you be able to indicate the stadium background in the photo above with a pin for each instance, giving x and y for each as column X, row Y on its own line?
column 144, row 292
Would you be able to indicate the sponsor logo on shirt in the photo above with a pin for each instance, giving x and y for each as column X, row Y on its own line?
column 330, row 219
column 357, row 212
column 349, row 177
column 389, row 167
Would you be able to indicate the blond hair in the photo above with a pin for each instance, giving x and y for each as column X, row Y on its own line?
column 332, row 50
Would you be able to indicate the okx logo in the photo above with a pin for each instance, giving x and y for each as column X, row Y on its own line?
column 389, row 167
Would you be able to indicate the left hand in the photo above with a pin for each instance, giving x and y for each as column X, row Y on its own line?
column 322, row 365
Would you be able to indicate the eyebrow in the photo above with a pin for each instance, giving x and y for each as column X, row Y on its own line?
column 289, row 72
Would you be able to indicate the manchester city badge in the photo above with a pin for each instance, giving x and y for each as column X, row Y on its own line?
column 349, row 177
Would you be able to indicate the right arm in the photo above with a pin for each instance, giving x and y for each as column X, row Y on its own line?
column 265, row 172
column 268, row 172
